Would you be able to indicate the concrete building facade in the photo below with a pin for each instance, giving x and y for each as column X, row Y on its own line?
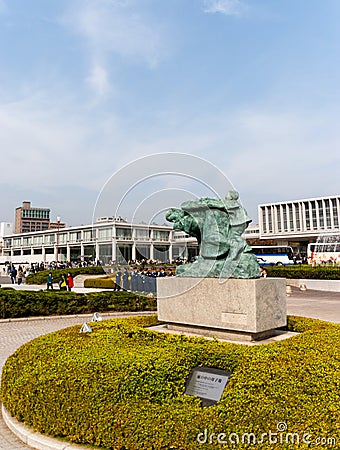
column 104, row 241
column 302, row 221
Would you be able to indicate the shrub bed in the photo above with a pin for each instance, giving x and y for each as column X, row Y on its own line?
column 304, row 271
column 40, row 277
column 103, row 283
column 43, row 303
column 122, row 387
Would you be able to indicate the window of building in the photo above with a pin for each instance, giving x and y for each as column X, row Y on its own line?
column 124, row 233
column 291, row 217
column 142, row 235
column 75, row 236
column 105, row 234
column 335, row 213
column 321, row 214
column 49, row 239
column 7, row 243
column 159, row 235
column 269, row 220
column 27, row 241
column 307, row 216
column 263, row 220
column 62, row 238
column 88, row 235
column 37, row 240
column 314, row 218
column 285, row 219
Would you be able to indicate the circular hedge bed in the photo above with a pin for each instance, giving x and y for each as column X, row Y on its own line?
column 122, row 387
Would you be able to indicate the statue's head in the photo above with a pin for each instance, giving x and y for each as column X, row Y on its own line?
column 232, row 195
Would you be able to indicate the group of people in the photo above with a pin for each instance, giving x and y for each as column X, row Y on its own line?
column 65, row 283
column 139, row 280
column 16, row 275
column 52, row 265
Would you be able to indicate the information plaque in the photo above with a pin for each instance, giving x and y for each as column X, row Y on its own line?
column 207, row 383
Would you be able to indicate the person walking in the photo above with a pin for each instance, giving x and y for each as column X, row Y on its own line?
column 70, row 282
column 50, row 281
column 13, row 274
column 63, row 283
column 118, row 280
column 20, row 275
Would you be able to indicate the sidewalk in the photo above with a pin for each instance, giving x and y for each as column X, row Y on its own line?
column 314, row 304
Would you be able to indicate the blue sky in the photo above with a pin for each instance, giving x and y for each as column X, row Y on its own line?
column 90, row 86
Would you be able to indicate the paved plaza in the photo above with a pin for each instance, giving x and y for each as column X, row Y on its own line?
column 14, row 333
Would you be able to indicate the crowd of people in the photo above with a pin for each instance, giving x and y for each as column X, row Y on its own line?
column 139, row 279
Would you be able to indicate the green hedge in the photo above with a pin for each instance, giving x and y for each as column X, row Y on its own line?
column 41, row 277
column 122, row 387
column 103, row 283
column 304, row 271
column 45, row 302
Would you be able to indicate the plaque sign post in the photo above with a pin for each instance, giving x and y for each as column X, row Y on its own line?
column 207, row 383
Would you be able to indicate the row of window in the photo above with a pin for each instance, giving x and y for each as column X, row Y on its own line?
column 301, row 216
column 86, row 236
column 35, row 214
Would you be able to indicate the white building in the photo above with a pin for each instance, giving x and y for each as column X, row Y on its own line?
column 302, row 221
column 104, row 240
column 6, row 228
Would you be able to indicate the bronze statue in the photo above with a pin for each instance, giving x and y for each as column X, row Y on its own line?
column 217, row 225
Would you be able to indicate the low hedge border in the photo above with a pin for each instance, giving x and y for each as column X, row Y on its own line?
column 103, row 283
column 306, row 272
column 15, row 303
column 41, row 276
column 122, row 386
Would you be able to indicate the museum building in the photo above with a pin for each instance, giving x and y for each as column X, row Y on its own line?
column 106, row 240
column 302, row 221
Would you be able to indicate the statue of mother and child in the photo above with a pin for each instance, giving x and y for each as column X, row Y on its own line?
column 218, row 226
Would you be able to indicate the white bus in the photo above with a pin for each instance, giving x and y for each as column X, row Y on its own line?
column 323, row 253
column 278, row 255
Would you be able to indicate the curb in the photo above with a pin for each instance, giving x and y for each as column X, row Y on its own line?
column 81, row 316
column 316, row 285
column 36, row 440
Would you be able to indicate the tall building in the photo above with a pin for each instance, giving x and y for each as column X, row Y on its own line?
column 28, row 219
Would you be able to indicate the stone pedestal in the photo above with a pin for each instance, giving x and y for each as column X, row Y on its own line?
column 240, row 309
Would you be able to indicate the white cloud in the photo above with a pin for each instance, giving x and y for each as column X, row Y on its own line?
column 227, row 7
column 99, row 80
column 115, row 28
column 113, row 32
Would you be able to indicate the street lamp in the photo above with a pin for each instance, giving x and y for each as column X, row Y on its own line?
column 57, row 246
